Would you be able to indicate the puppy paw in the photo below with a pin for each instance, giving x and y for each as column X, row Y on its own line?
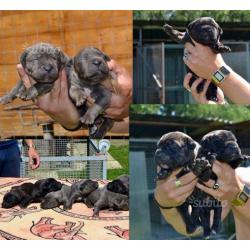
column 65, row 208
column 80, row 101
column 200, row 166
column 32, row 94
column 88, row 118
column 95, row 215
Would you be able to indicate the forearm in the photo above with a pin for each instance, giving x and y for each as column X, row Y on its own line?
column 69, row 121
column 242, row 221
column 241, row 213
column 173, row 217
column 236, row 89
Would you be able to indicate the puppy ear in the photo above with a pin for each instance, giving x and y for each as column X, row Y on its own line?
column 106, row 58
column 110, row 186
column 221, row 48
column 63, row 59
column 23, row 57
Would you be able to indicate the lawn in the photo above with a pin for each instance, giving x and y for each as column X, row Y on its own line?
column 121, row 154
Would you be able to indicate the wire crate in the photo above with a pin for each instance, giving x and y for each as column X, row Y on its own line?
column 65, row 159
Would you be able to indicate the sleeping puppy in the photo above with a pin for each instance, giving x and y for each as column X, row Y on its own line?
column 222, row 144
column 28, row 193
column 176, row 150
column 90, row 77
column 207, row 32
column 17, row 195
column 69, row 194
column 102, row 198
column 119, row 185
column 42, row 62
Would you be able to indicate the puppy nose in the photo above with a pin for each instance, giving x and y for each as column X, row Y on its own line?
column 47, row 68
column 97, row 62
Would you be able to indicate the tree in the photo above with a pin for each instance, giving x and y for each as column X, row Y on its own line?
column 188, row 15
column 232, row 113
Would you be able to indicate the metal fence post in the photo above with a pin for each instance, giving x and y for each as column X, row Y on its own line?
column 163, row 74
column 104, row 168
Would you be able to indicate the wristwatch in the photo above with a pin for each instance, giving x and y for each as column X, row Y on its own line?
column 242, row 197
column 220, row 75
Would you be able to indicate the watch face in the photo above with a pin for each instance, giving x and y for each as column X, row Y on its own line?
column 247, row 190
column 219, row 76
column 243, row 197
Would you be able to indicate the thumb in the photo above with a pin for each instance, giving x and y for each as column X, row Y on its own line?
column 23, row 76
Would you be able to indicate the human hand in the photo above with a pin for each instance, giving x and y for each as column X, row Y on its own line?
column 168, row 194
column 202, row 60
column 229, row 185
column 119, row 106
column 56, row 103
column 201, row 97
column 34, row 159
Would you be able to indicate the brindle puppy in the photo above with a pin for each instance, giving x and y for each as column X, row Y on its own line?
column 207, row 32
column 90, row 77
column 222, row 144
column 42, row 62
column 176, row 150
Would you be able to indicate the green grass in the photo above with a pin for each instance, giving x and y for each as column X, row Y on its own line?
column 120, row 154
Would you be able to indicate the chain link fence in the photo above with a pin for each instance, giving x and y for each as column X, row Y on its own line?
column 64, row 159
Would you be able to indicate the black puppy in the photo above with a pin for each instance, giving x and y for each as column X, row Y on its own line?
column 16, row 196
column 223, row 146
column 207, row 32
column 119, row 185
column 176, row 150
column 28, row 193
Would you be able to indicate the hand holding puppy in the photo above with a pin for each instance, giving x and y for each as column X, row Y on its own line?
column 201, row 97
column 56, row 103
column 168, row 195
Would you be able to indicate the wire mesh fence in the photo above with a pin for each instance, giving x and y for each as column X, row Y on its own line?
column 64, row 159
